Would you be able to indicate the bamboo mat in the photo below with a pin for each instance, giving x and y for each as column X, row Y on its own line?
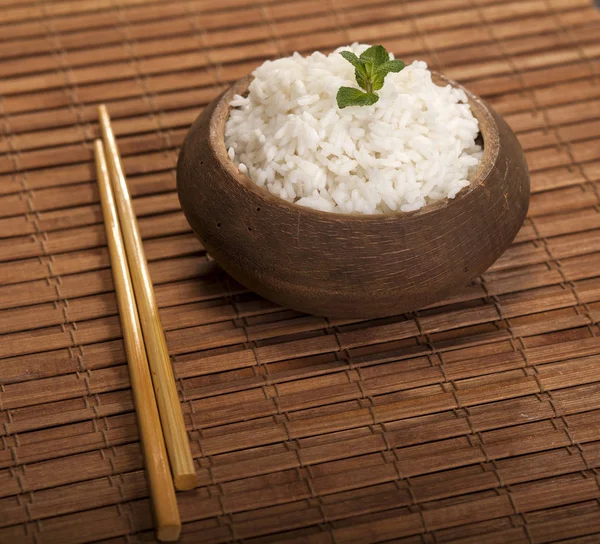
column 475, row 420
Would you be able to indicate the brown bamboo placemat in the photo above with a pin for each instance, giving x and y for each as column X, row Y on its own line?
column 476, row 420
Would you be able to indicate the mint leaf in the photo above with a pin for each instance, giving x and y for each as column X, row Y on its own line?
column 377, row 81
column 390, row 66
column 376, row 55
column 360, row 72
column 353, row 59
column 347, row 96
column 383, row 70
column 362, row 79
column 370, row 70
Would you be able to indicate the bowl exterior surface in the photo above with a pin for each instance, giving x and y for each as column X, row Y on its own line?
column 350, row 266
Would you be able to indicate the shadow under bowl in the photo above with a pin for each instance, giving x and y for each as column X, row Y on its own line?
column 342, row 265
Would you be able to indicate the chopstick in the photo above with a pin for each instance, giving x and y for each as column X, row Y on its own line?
column 173, row 426
column 168, row 523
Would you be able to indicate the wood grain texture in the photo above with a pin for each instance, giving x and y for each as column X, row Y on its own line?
column 350, row 266
column 473, row 419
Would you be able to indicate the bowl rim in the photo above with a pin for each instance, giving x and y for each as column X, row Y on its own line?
column 487, row 128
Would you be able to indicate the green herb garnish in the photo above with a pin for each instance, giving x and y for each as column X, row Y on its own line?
column 370, row 70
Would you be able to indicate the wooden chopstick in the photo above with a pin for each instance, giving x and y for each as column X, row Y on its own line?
column 173, row 426
column 168, row 523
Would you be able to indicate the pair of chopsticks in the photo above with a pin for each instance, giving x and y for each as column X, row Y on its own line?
column 160, row 420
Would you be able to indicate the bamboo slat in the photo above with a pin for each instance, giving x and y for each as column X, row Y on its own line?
column 474, row 419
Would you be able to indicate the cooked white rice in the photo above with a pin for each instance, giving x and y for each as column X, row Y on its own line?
column 414, row 146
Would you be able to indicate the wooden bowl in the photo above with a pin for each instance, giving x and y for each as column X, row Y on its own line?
column 342, row 265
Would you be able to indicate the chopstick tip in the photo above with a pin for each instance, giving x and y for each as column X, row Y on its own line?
column 185, row 482
column 168, row 533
